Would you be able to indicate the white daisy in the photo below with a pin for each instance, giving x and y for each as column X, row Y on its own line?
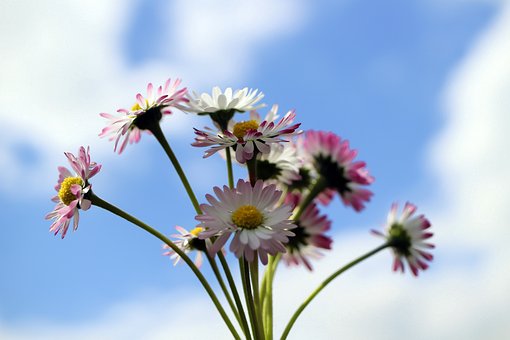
column 240, row 101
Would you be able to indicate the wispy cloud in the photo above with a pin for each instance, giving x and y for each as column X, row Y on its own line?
column 62, row 64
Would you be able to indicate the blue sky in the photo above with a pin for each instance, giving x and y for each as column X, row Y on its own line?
column 416, row 86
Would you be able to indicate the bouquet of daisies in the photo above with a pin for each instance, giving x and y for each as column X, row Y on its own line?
column 269, row 217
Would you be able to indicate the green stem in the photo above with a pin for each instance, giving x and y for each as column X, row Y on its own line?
column 324, row 284
column 252, row 169
column 317, row 188
column 245, row 275
column 97, row 201
column 235, row 293
column 268, row 302
column 217, row 273
column 158, row 133
column 229, row 169
column 254, row 268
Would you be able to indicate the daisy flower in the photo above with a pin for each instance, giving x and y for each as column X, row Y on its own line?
column 333, row 160
column 281, row 164
column 309, row 235
column 249, row 137
column 249, row 213
column 71, row 191
column 407, row 237
column 240, row 101
column 146, row 111
column 306, row 173
column 187, row 241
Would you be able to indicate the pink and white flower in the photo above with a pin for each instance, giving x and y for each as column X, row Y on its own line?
column 333, row 160
column 187, row 241
column 249, row 137
column 156, row 103
column 306, row 172
column 71, row 190
column 240, row 101
column 309, row 235
column 249, row 213
column 280, row 165
column 407, row 237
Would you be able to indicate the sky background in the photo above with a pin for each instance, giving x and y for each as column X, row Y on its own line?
column 420, row 88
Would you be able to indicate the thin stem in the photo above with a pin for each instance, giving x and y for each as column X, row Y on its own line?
column 254, row 268
column 113, row 209
column 217, row 273
column 252, row 169
column 324, row 284
column 263, row 286
column 268, row 303
column 245, row 275
column 158, row 133
column 235, row 293
column 229, row 169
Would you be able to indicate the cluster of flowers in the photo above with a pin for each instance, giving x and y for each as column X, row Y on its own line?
column 275, row 212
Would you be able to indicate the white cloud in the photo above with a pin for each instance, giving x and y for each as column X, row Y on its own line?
column 62, row 64
column 470, row 154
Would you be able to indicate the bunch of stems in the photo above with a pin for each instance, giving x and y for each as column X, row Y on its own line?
column 255, row 316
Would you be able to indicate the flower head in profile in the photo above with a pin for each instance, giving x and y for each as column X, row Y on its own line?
column 249, row 213
column 280, row 165
column 146, row 111
column 309, row 235
column 250, row 137
column 72, row 186
column 306, row 172
column 222, row 105
column 333, row 160
column 407, row 237
column 187, row 241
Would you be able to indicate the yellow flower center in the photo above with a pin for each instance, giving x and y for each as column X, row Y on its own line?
column 65, row 194
column 247, row 217
column 196, row 231
column 241, row 128
column 138, row 107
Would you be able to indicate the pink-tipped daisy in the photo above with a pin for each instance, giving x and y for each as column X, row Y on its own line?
column 146, row 111
column 333, row 160
column 72, row 190
column 249, row 213
column 249, row 137
column 407, row 237
column 309, row 236
column 187, row 241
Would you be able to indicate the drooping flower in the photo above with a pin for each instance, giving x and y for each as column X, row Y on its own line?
column 333, row 160
column 249, row 213
column 309, row 235
column 146, row 110
column 249, row 137
column 71, row 190
column 187, row 241
column 407, row 237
